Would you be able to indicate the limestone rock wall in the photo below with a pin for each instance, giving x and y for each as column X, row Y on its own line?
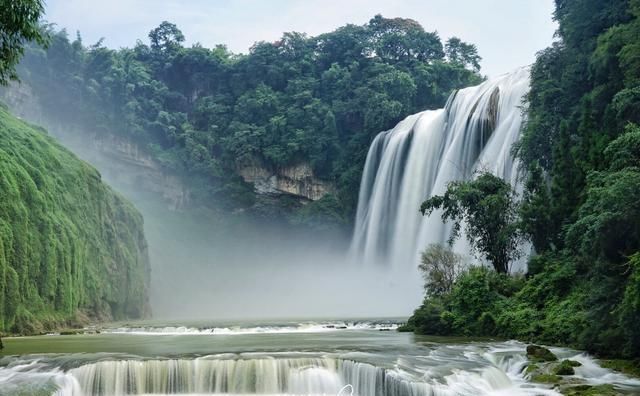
column 298, row 180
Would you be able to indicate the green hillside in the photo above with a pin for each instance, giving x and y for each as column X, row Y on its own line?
column 70, row 247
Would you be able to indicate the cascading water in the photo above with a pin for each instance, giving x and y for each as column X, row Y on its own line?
column 362, row 362
column 304, row 374
column 422, row 154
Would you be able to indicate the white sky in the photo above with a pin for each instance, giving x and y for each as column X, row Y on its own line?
column 507, row 33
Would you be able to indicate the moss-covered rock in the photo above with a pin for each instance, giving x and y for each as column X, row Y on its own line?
column 546, row 378
column 566, row 367
column 539, row 353
column 589, row 390
column 68, row 243
column 531, row 368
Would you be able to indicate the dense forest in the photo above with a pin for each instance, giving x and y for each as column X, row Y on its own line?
column 580, row 209
column 204, row 112
column 71, row 249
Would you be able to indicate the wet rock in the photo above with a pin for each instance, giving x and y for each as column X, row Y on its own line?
column 531, row 368
column 566, row 367
column 589, row 390
column 546, row 378
column 538, row 353
column 71, row 332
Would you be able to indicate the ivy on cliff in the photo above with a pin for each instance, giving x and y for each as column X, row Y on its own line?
column 70, row 247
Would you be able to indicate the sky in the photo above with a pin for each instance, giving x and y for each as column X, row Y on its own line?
column 508, row 33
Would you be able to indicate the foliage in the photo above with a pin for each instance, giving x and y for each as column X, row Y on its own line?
column 18, row 25
column 629, row 309
column 628, row 367
column 580, row 149
column 487, row 207
column 440, row 267
column 431, row 318
column 457, row 51
column 207, row 112
column 69, row 245
column 583, row 94
column 472, row 307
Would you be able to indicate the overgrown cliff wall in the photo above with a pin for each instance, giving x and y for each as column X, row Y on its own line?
column 70, row 247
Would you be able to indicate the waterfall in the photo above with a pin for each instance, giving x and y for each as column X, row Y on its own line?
column 237, row 376
column 422, row 154
column 468, row 369
column 311, row 376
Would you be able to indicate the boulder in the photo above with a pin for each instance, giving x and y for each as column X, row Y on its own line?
column 538, row 353
column 566, row 367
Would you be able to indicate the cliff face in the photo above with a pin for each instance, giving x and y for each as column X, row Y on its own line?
column 70, row 247
column 298, row 180
column 122, row 162
column 125, row 165
column 129, row 167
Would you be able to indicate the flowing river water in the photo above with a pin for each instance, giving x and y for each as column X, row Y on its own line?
column 329, row 357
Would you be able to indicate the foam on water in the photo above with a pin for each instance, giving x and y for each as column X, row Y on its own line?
column 470, row 369
column 303, row 327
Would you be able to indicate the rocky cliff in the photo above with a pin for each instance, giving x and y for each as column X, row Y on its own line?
column 131, row 168
column 297, row 180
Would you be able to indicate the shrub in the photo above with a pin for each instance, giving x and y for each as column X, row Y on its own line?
column 440, row 267
column 431, row 318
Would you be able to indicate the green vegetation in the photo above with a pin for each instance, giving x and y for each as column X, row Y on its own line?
column 205, row 112
column 628, row 367
column 19, row 24
column 589, row 390
column 566, row 367
column 70, row 247
column 440, row 267
column 581, row 204
column 546, row 378
column 488, row 208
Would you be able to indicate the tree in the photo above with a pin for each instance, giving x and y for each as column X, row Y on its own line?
column 608, row 223
column 488, row 208
column 459, row 52
column 440, row 267
column 313, row 100
column 18, row 25
column 166, row 38
column 403, row 39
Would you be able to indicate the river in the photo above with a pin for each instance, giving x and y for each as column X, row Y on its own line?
column 322, row 357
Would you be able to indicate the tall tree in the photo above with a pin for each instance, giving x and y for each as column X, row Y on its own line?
column 488, row 208
column 18, row 25
column 457, row 51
